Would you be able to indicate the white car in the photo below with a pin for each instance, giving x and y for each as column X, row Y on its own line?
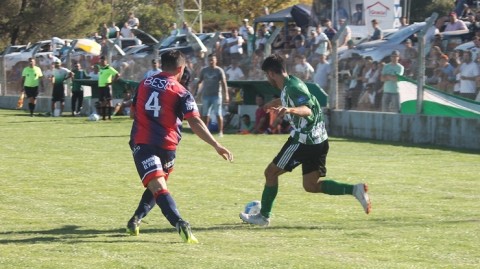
column 39, row 50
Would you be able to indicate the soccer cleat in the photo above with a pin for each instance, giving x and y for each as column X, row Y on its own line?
column 133, row 226
column 185, row 232
column 256, row 219
column 360, row 192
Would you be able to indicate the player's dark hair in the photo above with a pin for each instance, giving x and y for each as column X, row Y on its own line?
column 172, row 59
column 274, row 63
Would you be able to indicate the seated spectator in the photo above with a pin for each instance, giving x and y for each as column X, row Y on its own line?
column 246, row 126
column 113, row 31
column 261, row 116
column 123, row 108
column 466, row 12
column 454, row 23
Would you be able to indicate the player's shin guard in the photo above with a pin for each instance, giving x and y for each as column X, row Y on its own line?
column 169, row 209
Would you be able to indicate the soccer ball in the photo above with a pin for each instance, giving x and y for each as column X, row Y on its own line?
column 253, row 207
column 93, row 117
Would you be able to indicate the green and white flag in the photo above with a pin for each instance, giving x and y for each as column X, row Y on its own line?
column 435, row 102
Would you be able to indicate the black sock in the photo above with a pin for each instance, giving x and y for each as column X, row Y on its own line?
column 109, row 112
column 103, row 112
column 31, row 107
column 169, row 208
column 145, row 205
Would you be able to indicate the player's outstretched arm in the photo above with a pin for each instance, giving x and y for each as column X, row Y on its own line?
column 201, row 130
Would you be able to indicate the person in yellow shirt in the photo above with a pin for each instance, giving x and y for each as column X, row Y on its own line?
column 106, row 76
column 31, row 79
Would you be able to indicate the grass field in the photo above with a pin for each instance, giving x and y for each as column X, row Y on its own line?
column 69, row 186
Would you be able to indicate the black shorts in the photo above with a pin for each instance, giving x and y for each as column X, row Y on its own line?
column 58, row 93
column 31, row 92
column 312, row 157
column 104, row 94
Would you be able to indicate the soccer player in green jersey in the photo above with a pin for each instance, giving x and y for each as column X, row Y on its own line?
column 307, row 144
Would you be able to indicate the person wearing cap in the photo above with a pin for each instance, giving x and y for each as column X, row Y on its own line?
column 58, row 77
column 155, row 69
column 390, row 98
column 454, row 23
column 106, row 76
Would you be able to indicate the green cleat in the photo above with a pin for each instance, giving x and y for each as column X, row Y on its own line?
column 185, row 232
column 133, row 226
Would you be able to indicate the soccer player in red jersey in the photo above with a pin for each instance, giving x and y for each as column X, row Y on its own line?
column 159, row 107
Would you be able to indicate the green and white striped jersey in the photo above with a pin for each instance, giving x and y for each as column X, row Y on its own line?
column 306, row 130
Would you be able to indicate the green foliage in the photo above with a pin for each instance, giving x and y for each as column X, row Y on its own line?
column 420, row 10
column 23, row 21
column 69, row 186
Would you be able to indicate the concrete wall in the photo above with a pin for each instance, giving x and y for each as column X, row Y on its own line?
column 451, row 132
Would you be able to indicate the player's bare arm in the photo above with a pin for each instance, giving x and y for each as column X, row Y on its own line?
column 301, row 111
column 201, row 130
column 274, row 103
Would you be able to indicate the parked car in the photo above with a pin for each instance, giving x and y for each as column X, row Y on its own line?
column 13, row 49
column 40, row 50
column 381, row 49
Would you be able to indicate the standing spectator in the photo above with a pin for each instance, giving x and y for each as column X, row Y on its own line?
column 243, row 31
column 262, row 119
column 357, row 17
column 403, row 23
column 126, row 31
column 322, row 42
column 213, row 83
column 185, row 29
column 303, row 69
column 454, row 23
column 155, row 134
column 322, row 73
column 107, row 75
column 329, row 30
column 307, row 144
column 113, row 31
column 77, row 89
column 261, row 39
column 377, row 31
column 469, row 72
column 390, row 86
column 173, row 29
column 409, row 58
column 447, row 74
column 32, row 77
column 133, row 21
column 476, row 49
column 93, row 74
column 155, row 69
column 233, row 46
column 346, row 35
column 60, row 74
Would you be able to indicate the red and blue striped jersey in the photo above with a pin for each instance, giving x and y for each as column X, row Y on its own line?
column 160, row 105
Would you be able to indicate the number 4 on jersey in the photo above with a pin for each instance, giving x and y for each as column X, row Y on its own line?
column 152, row 104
